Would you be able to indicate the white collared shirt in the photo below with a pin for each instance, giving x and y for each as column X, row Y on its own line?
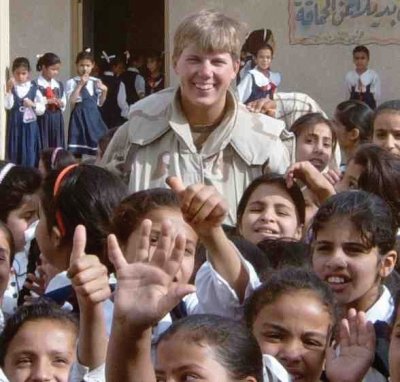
column 22, row 91
column 369, row 77
column 91, row 87
column 54, row 84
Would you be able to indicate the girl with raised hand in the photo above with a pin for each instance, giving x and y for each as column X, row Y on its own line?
column 76, row 195
column 41, row 341
column 197, row 347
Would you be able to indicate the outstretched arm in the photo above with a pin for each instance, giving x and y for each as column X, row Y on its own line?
column 205, row 210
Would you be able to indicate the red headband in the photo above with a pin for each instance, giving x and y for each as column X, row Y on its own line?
column 57, row 185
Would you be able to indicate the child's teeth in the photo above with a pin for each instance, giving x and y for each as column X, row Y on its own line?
column 336, row 280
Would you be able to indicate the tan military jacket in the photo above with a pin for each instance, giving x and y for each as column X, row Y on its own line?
column 156, row 142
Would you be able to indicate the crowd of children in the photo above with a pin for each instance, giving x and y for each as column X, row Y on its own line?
column 217, row 236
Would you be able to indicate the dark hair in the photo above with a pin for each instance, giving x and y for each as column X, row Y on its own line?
column 87, row 195
column 380, row 175
column 10, row 240
column 288, row 280
column 106, row 139
column 278, row 180
column 56, row 160
column 48, row 59
column 266, row 46
column 18, row 182
column 284, row 252
column 361, row 49
column 369, row 213
column 234, row 346
column 84, row 55
column 42, row 310
column 21, row 62
column 131, row 211
column 135, row 55
column 355, row 114
column 310, row 120
column 392, row 106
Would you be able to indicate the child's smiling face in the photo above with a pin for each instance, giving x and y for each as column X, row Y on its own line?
column 352, row 268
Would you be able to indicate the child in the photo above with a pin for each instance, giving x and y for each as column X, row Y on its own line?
column 155, row 78
column 54, row 159
column 40, row 341
column 18, row 210
column 353, row 238
column 363, row 84
column 293, row 317
column 7, row 253
column 269, row 209
column 260, row 82
column 386, row 127
column 112, row 107
column 352, row 126
column 315, row 140
column 24, row 101
column 203, row 347
column 85, row 94
column 51, row 123
column 132, row 87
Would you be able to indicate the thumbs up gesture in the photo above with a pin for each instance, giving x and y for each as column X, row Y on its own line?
column 88, row 275
column 203, row 207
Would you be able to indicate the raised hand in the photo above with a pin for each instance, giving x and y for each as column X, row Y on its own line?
column 332, row 176
column 10, row 84
column 202, row 206
column 28, row 103
column 350, row 361
column 145, row 291
column 88, row 275
column 312, row 178
column 84, row 80
column 101, row 86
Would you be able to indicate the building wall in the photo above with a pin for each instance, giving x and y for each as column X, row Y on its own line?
column 40, row 26
column 318, row 70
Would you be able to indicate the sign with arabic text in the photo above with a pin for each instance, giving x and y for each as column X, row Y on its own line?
column 344, row 22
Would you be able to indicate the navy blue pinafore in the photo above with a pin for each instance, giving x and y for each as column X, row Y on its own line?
column 23, row 139
column 51, row 123
column 86, row 126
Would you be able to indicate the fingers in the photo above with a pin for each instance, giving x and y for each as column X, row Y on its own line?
column 78, row 244
column 357, row 331
column 115, row 254
column 143, row 246
column 176, row 185
column 174, row 263
column 164, row 245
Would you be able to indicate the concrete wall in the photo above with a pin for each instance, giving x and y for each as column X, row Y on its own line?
column 40, row 26
column 318, row 70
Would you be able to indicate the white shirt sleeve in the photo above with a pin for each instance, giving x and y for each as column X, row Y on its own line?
column 64, row 100
column 376, row 87
column 69, row 88
column 40, row 103
column 244, row 88
column 80, row 373
column 216, row 296
column 9, row 101
column 140, row 85
column 121, row 100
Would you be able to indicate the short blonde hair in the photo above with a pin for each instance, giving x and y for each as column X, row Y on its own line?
column 210, row 31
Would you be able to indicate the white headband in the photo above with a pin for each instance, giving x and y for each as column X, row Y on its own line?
column 4, row 171
column 54, row 157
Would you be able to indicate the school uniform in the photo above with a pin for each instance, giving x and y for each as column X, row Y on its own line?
column 364, row 87
column 23, row 138
column 132, row 89
column 51, row 123
column 111, row 108
column 86, row 126
column 256, row 85
column 154, row 85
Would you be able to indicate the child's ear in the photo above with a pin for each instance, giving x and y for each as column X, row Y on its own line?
column 299, row 232
column 55, row 237
column 387, row 264
column 354, row 134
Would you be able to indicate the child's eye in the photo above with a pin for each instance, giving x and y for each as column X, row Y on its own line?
column 283, row 213
column 272, row 336
column 23, row 362
column 190, row 377
column 312, row 343
column 61, row 361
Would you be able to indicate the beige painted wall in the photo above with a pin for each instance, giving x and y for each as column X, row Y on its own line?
column 40, row 26
column 316, row 70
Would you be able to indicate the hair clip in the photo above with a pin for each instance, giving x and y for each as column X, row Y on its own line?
column 88, row 50
column 54, row 157
column 106, row 57
column 127, row 55
column 5, row 170
column 39, row 55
